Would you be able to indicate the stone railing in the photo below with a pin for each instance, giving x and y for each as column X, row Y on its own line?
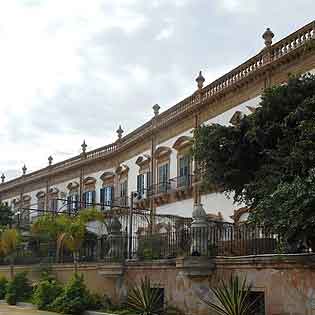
column 293, row 41
column 254, row 64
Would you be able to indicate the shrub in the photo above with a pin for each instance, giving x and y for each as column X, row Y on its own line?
column 47, row 290
column 152, row 247
column 143, row 300
column 95, row 302
column 74, row 299
column 3, row 287
column 18, row 289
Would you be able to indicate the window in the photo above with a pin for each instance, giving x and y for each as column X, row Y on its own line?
column 106, row 196
column 258, row 298
column 41, row 204
column 143, row 184
column 89, row 198
column 140, row 185
column 184, row 171
column 163, row 177
column 72, row 202
column 53, row 204
column 124, row 193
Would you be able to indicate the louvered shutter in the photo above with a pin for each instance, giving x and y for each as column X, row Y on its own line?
column 102, row 199
column 93, row 197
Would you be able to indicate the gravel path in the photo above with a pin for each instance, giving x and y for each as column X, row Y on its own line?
column 15, row 310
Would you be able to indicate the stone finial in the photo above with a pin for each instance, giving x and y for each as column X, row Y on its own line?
column 268, row 36
column 199, row 230
column 200, row 80
column 199, row 214
column 24, row 169
column 2, row 178
column 156, row 109
column 120, row 132
column 50, row 160
column 83, row 146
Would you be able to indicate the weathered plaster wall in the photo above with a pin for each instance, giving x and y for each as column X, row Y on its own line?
column 288, row 281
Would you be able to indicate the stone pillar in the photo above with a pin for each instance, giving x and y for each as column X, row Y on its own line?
column 116, row 241
column 199, row 231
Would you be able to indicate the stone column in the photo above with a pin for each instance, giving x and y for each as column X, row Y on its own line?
column 116, row 241
column 199, row 231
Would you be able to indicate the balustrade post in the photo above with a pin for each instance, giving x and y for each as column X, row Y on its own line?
column 116, row 240
column 199, row 231
column 268, row 35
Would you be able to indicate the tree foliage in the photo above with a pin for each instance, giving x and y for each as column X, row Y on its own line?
column 270, row 149
column 6, row 215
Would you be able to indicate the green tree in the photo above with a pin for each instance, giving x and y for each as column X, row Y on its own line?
column 66, row 231
column 72, row 239
column 6, row 215
column 268, row 149
column 9, row 241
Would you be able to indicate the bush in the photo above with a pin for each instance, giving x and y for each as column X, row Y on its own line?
column 47, row 290
column 95, row 302
column 74, row 299
column 3, row 287
column 152, row 247
column 18, row 289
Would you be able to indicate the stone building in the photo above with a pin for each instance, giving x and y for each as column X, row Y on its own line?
column 154, row 160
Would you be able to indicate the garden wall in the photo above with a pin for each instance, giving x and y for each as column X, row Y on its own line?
column 287, row 281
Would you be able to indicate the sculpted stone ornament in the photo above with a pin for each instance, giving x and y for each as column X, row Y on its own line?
column 199, row 229
column 268, row 36
column 115, row 239
column 2, row 178
column 156, row 109
column 24, row 169
column 200, row 80
column 120, row 132
column 50, row 160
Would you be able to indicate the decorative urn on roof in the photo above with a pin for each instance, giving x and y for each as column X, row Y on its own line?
column 120, row 132
column 24, row 169
column 268, row 36
column 200, row 80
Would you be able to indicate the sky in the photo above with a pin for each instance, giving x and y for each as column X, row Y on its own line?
column 76, row 69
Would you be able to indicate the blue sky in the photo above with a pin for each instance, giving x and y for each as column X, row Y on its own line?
column 76, row 69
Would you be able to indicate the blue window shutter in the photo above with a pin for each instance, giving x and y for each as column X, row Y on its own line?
column 76, row 201
column 102, row 199
column 93, row 197
column 84, row 199
column 69, row 203
column 102, row 195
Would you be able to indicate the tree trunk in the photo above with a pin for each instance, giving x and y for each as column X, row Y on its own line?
column 75, row 261
column 12, row 267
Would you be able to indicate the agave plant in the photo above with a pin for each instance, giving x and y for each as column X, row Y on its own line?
column 232, row 298
column 143, row 300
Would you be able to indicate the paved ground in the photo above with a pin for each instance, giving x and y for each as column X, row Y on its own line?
column 14, row 310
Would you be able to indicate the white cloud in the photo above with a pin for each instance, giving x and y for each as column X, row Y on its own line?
column 165, row 33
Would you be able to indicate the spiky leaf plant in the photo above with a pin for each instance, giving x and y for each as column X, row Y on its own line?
column 232, row 298
column 144, row 300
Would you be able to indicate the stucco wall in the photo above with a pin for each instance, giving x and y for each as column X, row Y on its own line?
column 287, row 281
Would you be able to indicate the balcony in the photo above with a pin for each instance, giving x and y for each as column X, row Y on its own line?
column 175, row 189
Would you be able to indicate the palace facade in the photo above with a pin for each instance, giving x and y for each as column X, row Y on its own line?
column 154, row 160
